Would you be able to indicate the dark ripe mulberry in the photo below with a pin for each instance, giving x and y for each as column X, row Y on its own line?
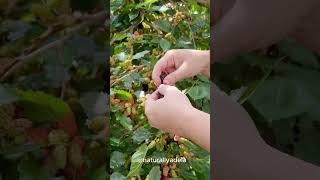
column 162, row 76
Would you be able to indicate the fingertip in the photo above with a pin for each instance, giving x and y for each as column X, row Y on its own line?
column 162, row 89
column 166, row 81
column 157, row 82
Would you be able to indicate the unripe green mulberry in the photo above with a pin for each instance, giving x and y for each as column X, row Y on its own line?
column 60, row 156
column 75, row 155
column 58, row 137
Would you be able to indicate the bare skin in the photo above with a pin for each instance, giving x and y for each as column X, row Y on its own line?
column 174, row 113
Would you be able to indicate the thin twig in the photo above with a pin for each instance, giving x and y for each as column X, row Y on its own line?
column 154, row 27
column 115, row 82
column 23, row 59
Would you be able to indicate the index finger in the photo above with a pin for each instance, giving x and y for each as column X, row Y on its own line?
column 157, row 70
column 161, row 66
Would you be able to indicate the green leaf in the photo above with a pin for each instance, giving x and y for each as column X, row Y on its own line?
column 186, row 172
column 150, row 1
column 133, row 15
column 117, row 159
column 118, row 37
column 281, row 98
column 41, row 107
column 164, row 25
column 95, row 103
column 145, row 25
column 165, row 44
column 7, row 96
column 122, row 95
column 155, row 173
column 308, row 146
column 117, row 176
column 200, row 152
column 298, row 53
column 184, row 42
column 163, row 8
column 115, row 141
column 140, row 54
column 146, row 3
column 126, row 122
column 199, row 92
column 137, row 160
column 201, row 167
column 141, row 135
column 117, row 3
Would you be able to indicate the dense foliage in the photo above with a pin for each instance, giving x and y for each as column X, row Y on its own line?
column 279, row 87
column 53, row 122
column 141, row 32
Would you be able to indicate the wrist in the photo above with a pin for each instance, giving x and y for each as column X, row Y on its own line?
column 187, row 121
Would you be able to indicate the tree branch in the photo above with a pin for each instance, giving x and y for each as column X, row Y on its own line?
column 115, row 82
column 23, row 59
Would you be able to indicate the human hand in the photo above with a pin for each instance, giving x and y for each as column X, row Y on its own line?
column 169, row 112
column 180, row 64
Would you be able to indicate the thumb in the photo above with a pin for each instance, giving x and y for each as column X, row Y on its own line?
column 163, row 89
column 150, row 98
column 176, row 75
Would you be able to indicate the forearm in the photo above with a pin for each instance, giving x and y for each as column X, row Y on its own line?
column 196, row 127
column 251, row 25
column 241, row 152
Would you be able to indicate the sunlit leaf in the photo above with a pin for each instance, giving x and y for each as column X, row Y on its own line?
column 140, row 54
column 117, row 159
column 165, row 44
column 155, row 173
column 137, row 160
